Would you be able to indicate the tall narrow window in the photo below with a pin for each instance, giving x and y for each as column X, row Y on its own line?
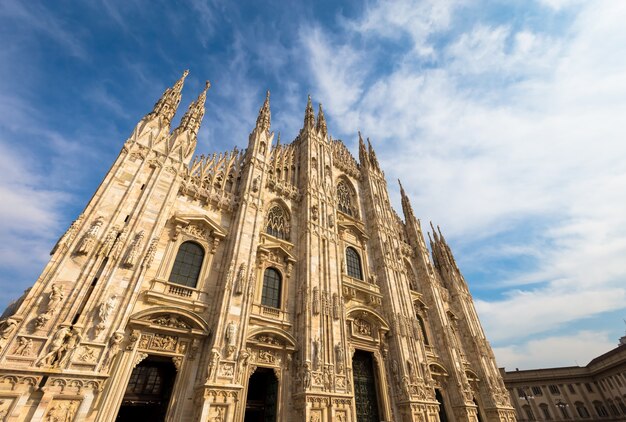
column 271, row 288
column 187, row 265
column 277, row 223
column 353, row 263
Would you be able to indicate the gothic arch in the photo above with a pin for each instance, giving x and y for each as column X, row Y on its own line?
column 437, row 369
column 347, row 198
column 194, row 321
column 369, row 314
column 277, row 221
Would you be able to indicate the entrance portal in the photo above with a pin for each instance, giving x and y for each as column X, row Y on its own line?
column 262, row 396
column 442, row 407
column 148, row 391
column 365, row 395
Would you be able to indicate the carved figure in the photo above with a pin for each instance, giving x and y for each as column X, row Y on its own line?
column 89, row 240
column 213, row 364
column 24, row 347
column 317, row 360
column 56, row 349
column 231, row 337
column 8, row 327
column 105, row 309
column 306, row 376
column 62, row 411
column 71, row 344
column 115, row 345
column 241, row 279
column 244, row 358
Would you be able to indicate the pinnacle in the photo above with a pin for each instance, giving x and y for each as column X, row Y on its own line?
column 264, row 119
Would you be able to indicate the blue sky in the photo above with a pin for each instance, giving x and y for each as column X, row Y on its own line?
column 504, row 120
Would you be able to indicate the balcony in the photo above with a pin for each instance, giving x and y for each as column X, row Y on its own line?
column 163, row 292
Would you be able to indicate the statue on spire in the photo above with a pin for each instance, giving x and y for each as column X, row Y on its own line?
column 264, row 120
column 168, row 103
column 309, row 115
column 321, row 122
column 193, row 116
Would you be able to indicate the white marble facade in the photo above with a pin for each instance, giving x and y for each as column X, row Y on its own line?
column 297, row 267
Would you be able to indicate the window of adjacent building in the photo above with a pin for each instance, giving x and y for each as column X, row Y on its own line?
column 564, row 412
column 582, row 410
column 600, row 409
column 529, row 412
column 613, row 408
column 618, row 381
column 554, row 389
column 277, row 224
column 622, row 406
column 537, row 391
column 272, row 282
column 546, row 412
column 353, row 263
column 187, row 264
column 345, row 199
column 589, row 387
column 570, row 387
column 608, row 380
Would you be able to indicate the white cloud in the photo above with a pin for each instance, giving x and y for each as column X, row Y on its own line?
column 512, row 125
column 570, row 350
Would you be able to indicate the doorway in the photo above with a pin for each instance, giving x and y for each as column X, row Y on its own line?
column 442, row 407
column 262, row 396
column 365, row 394
column 148, row 391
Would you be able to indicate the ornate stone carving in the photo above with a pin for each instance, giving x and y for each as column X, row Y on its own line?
column 150, row 253
column 24, row 347
column 213, row 365
column 115, row 345
column 109, row 241
column 240, row 281
column 87, row 355
column 266, row 357
column 138, row 358
column 178, row 362
column 104, row 312
column 62, row 411
column 55, row 297
column 170, row 320
column 231, row 337
column 64, row 342
column 362, row 327
column 9, row 325
column 243, row 359
column 69, row 235
column 164, row 342
column 132, row 256
column 88, row 241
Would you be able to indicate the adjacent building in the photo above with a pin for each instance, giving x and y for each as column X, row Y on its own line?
column 594, row 392
column 275, row 283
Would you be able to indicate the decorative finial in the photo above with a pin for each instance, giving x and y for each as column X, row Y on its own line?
column 264, row 120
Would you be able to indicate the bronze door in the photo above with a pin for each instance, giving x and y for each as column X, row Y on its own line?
column 365, row 387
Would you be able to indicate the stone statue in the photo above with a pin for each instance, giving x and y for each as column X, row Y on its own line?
column 24, row 347
column 89, row 240
column 231, row 337
column 71, row 344
column 306, row 376
column 56, row 349
column 213, row 364
column 115, row 345
column 104, row 312
column 244, row 358
column 9, row 325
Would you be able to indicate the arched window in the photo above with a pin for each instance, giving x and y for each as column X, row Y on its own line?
column 546, row 412
column 277, row 223
column 582, row 410
column 353, row 263
column 529, row 412
column 272, row 283
column 345, row 199
column 187, row 265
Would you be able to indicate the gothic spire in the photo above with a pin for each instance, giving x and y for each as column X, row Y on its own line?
column 321, row 122
column 362, row 152
column 372, row 154
column 193, row 116
column 309, row 116
column 406, row 205
column 168, row 103
column 265, row 116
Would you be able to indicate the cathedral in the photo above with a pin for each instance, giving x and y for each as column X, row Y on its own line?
column 271, row 284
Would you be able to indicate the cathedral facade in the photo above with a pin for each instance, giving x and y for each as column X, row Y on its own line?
column 271, row 284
